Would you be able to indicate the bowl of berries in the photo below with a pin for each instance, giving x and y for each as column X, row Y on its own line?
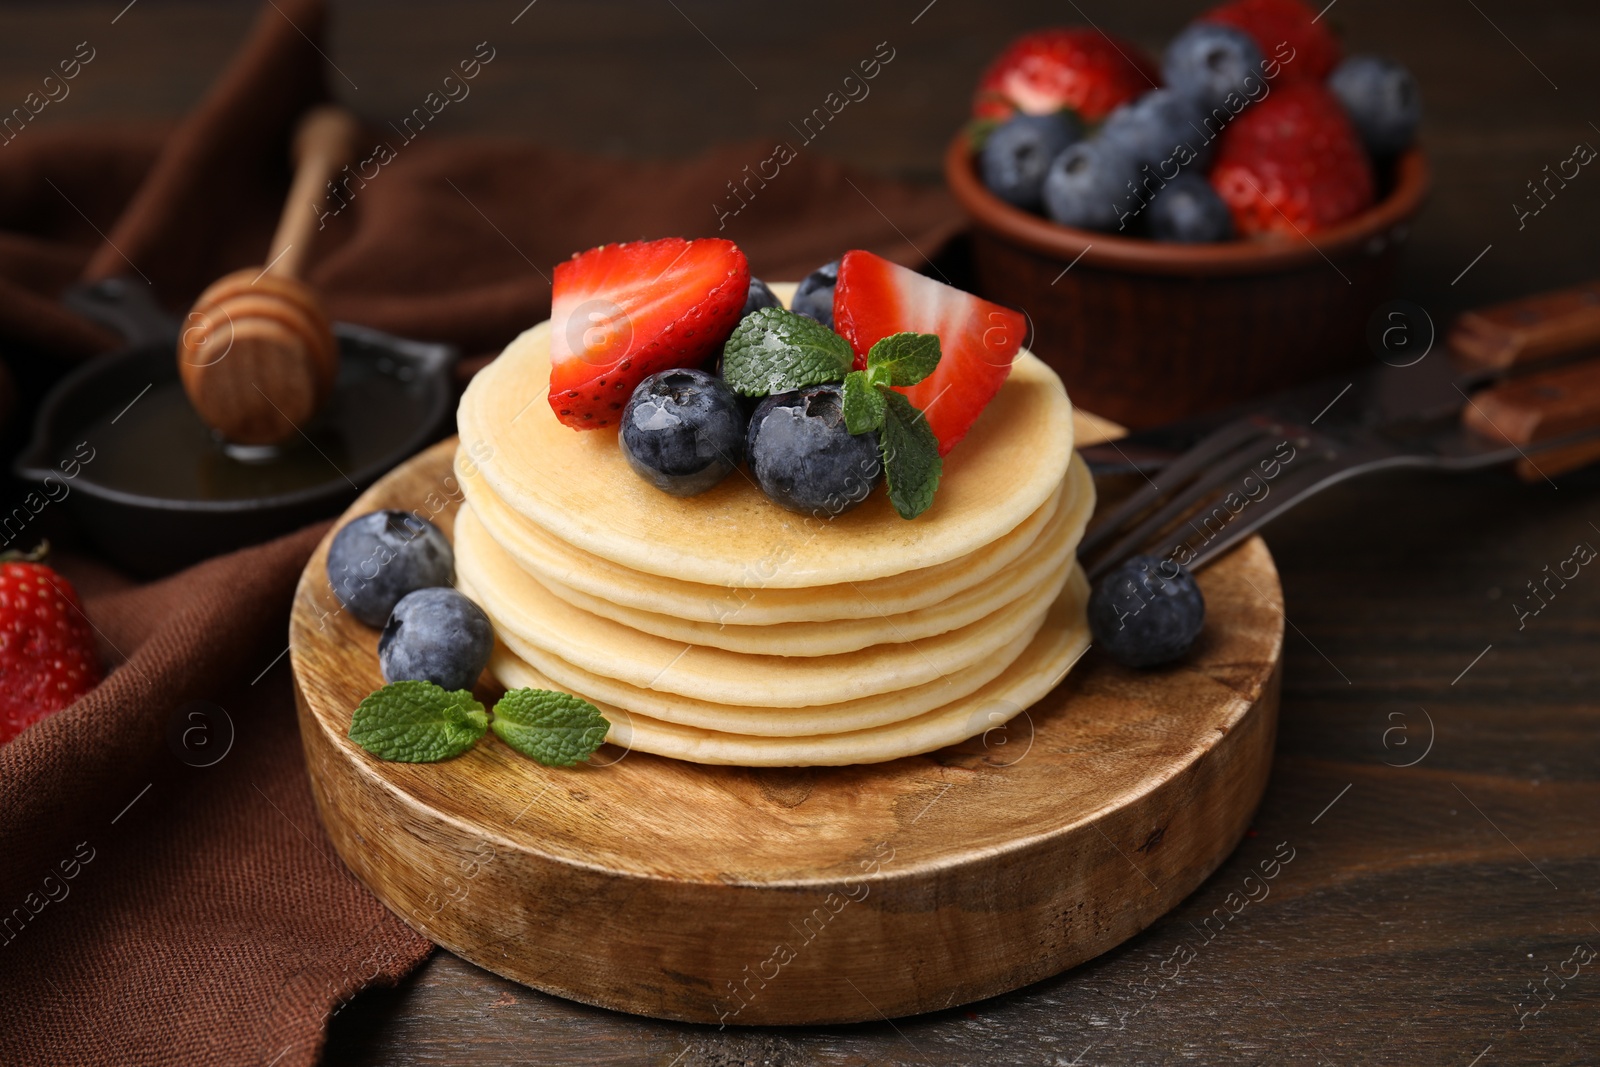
column 1187, row 234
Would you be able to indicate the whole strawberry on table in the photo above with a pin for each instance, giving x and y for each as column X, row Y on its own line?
column 1253, row 124
column 47, row 657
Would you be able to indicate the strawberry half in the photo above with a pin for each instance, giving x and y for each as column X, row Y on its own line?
column 1047, row 70
column 619, row 313
column 977, row 339
column 1272, row 24
column 1292, row 163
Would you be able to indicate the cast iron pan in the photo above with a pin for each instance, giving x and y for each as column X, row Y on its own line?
column 117, row 442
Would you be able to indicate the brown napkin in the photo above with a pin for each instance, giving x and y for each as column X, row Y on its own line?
column 156, row 911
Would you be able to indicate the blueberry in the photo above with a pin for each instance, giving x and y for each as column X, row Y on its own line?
column 759, row 297
column 1208, row 62
column 1087, row 186
column 378, row 558
column 813, row 297
column 1189, row 210
column 1017, row 154
column 683, row 431
column 804, row 458
column 436, row 635
column 1382, row 100
column 1163, row 130
column 1146, row 612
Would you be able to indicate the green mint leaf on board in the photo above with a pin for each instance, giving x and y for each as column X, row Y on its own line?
column 417, row 722
column 911, row 463
column 906, row 358
column 557, row 729
column 863, row 404
column 774, row 351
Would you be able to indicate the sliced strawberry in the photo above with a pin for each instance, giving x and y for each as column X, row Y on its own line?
column 619, row 313
column 1284, row 28
column 977, row 339
column 1292, row 163
column 1073, row 67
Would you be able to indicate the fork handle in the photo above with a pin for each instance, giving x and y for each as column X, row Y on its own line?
column 1528, row 330
column 1547, row 406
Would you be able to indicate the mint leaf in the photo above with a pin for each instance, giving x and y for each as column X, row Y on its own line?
column 863, row 404
column 911, row 463
column 557, row 729
column 417, row 722
column 906, row 358
column 773, row 351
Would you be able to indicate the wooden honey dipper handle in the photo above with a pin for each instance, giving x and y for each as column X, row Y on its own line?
column 257, row 356
column 324, row 142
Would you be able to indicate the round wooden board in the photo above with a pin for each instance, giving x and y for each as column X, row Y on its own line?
column 812, row 895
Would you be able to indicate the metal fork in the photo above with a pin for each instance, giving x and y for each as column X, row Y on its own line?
column 1214, row 481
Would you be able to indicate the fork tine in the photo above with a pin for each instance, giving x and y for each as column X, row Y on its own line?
column 1221, row 441
column 1323, row 470
column 1181, row 503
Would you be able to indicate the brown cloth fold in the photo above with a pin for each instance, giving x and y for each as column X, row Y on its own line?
column 159, row 904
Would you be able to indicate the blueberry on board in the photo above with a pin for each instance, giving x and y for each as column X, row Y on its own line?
column 683, row 431
column 1382, row 100
column 804, row 458
column 1146, row 612
column 435, row 635
column 378, row 558
column 813, row 297
column 1207, row 62
column 1087, row 186
column 1018, row 153
column 759, row 297
column 1163, row 130
column 1190, row 211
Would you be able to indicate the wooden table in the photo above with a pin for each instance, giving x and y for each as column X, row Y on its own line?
column 1422, row 899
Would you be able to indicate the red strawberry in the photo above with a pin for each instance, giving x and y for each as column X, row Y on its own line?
column 1292, row 163
column 619, row 313
column 977, row 339
column 1275, row 24
column 47, row 656
column 1047, row 70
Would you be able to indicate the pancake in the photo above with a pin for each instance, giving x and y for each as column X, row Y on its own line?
column 872, row 624
column 578, row 487
column 535, row 622
column 1047, row 658
column 561, row 566
column 846, row 715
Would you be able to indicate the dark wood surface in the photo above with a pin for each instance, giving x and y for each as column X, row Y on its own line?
column 1422, row 903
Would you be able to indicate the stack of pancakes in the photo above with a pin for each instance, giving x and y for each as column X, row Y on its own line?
column 721, row 628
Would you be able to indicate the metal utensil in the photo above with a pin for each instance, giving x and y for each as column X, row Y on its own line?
column 1214, row 480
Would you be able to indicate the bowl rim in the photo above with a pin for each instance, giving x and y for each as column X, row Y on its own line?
column 1412, row 181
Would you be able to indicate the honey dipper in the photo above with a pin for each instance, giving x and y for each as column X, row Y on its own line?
column 257, row 356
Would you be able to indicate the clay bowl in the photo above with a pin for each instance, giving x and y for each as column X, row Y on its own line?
column 1146, row 332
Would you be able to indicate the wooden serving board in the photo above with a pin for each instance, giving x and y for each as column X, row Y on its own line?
column 805, row 896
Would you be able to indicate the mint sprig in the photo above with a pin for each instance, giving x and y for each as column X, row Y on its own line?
column 774, row 351
column 903, row 358
column 419, row 722
column 911, row 463
column 557, row 729
column 863, row 404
